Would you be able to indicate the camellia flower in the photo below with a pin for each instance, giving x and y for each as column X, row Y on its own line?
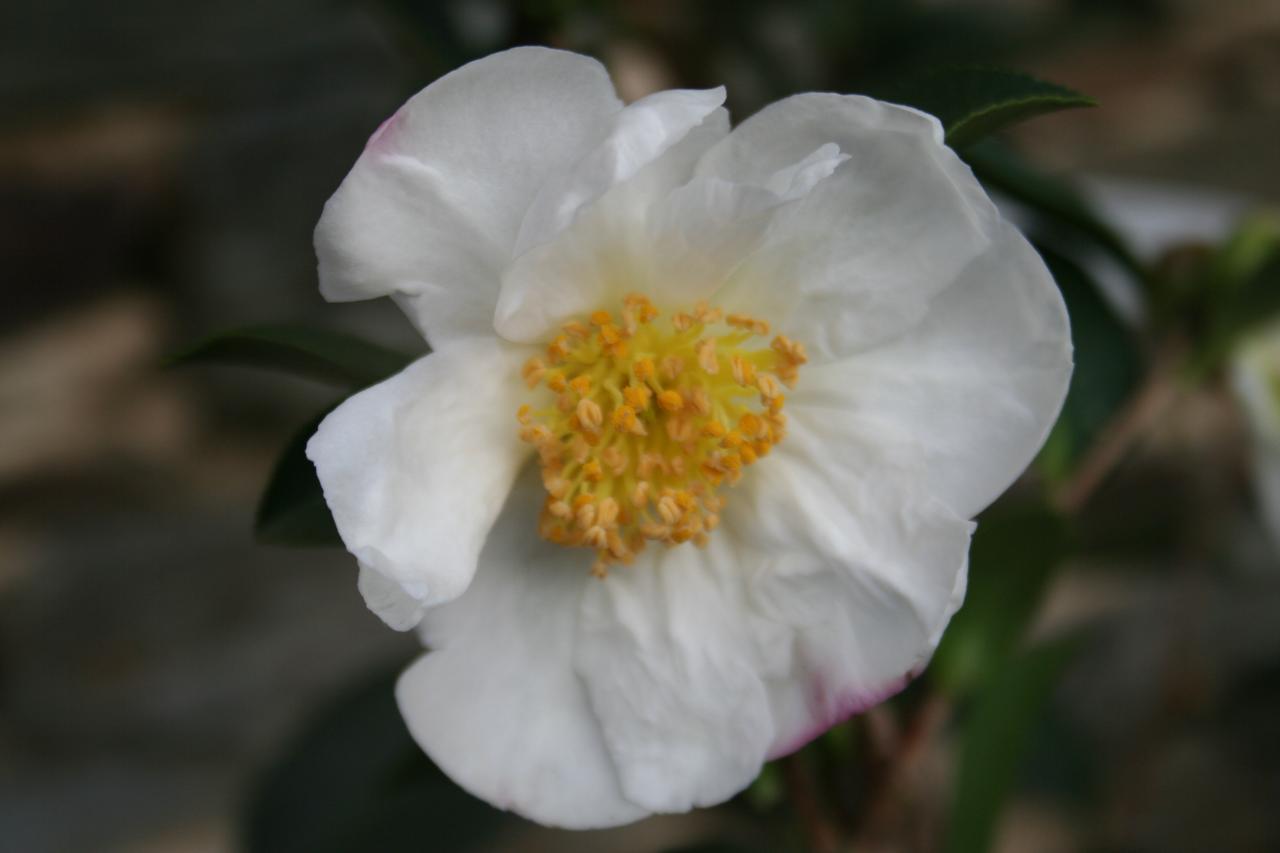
column 689, row 475
column 1256, row 377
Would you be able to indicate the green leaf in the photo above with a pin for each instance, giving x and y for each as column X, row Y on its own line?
column 1241, row 289
column 292, row 510
column 1108, row 367
column 355, row 780
column 1011, row 560
column 994, row 739
column 1052, row 199
column 974, row 102
column 322, row 354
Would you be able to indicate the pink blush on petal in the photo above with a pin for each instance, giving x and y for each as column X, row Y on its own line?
column 379, row 138
column 831, row 710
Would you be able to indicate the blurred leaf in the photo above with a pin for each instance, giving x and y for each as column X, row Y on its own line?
column 1258, row 299
column 1241, row 288
column 1053, row 199
column 768, row 790
column 292, row 510
column 1011, row 560
column 316, row 353
column 355, row 780
column 1108, row 367
column 995, row 738
column 974, row 102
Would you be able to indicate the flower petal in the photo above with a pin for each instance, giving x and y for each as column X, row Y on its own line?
column 496, row 703
column 702, row 663
column 855, row 261
column 867, row 574
column 965, row 399
column 607, row 250
column 639, row 134
column 669, row 659
column 432, row 208
column 415, row 468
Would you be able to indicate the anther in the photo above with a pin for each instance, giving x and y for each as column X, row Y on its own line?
column 769, row 386
column 671, row 400
column 590, row 417
column 533, row 371
column 706, row 351
column 668, row 509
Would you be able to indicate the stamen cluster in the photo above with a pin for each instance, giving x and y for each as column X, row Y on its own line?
column 646, row 419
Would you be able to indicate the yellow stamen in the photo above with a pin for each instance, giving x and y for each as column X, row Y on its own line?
column 644, row 421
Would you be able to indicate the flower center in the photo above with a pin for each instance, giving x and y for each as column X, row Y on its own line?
column 645, row 419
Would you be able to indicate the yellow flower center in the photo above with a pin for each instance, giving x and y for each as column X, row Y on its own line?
column 644, row 419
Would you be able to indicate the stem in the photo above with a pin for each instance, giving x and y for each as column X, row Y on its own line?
column 892, row 787
column 821, row 834
column 1142, row 411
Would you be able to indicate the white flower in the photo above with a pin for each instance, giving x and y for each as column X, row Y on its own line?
column 1256, row 376
column 573, row 262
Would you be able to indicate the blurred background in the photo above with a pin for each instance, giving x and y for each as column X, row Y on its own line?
column 162, row 166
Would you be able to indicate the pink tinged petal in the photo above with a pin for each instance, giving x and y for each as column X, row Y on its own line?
column 855, row 261
column 602, row 251
column 431, row 210
column 808, row 706
column 414, row 470
column 963, row 400
column 496, row 703
column 667, row 651
column 867, row 572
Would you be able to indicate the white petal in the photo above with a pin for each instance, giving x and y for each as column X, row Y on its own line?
column 389, row 600
column 867, row 574
column 432, row 208
column 496, row 703
column 855, row 261
column 668, row 655
column 965, row 399
column 638, row 135
column 415, row 469
column 607, row 251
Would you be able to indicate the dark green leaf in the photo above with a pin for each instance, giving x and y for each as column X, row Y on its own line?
column 292, row 510
column 355, row 780
column 995, row 738
column 1108, row 367
column 1013, row 554
column 974, row 102
column 1052, row 199
column 316, row 353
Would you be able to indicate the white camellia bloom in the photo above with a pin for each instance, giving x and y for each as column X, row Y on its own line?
column 638, row 576
column 1256, row 376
